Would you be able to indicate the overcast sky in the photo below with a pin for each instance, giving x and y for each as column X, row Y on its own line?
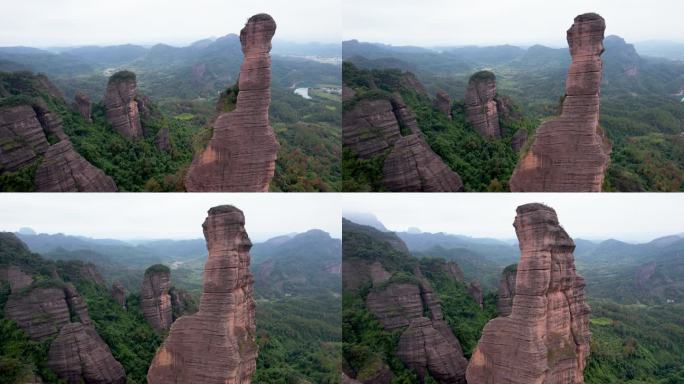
column 45, row 23
column 466, row 22
column 637, row 217
column 128, row 216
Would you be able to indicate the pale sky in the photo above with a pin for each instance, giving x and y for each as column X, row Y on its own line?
column 46, row 23
column 469, row 22
column 129, row 216
column 630, row 217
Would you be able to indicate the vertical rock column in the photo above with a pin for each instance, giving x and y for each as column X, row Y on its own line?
column 217, row 344
column 545, row 339
column 241, row 154
column 569, row 153
column 121, row 105
column 481, row 107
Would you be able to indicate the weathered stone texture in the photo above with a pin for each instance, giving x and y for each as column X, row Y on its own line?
column 481, row 105
column 155, row 300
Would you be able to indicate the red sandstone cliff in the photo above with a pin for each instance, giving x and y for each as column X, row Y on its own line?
column 121, row 104
column 570, row 153
column 217, row 344
column 481, row 104
column 241, row 154
column 545, row 339
column 155, row 300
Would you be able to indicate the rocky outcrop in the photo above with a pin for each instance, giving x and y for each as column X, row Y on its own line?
column 155, row 300
column 507, row 290
column 64, row 170
column 78, row 355
column 77, row 307
column 370, row 128
column 546, row 337
column 83, row 106
column 22, row 140
column 519, row 140
column 50, row 121
column 162, row 140
column 119, row 294
column 121, row 105
column 40, row 312
column 242, row 151
column 217, row 344
column 17, row 278
column 481, row 106
column 413, row 167
column 475, row 291
column 570, row 153
column 442, row 102
column 426, row 345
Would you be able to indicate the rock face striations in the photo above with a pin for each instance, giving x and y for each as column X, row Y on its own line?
column 83, row 106
column 217, row 344
column 155, row 300
column 545, row 339
column 22, row 139
column 569, row 153
column 481, row 104
column 507, row 290
column 64, row 170
column 121, row 104
column 241, row 154
column 381, row 127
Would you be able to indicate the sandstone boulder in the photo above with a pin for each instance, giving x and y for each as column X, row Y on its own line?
column 570, row 153
column 155, row 300
column 83, row 106
column 242, row 151
column 65, row 170
column 481, row 106
column 217, row 344
column 78, row 355
column 545, row 339
column 121, row 104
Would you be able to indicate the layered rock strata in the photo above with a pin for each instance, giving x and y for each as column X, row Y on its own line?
column 507, row 290
column 121, row 104
column 22, row 139
column 545, row 339
column 442, row 102
column 481, row 105
column 40, row 312
column 570, row 153
column 217, row 344
column 83, row 106
column 242, row 151
column 79, row 355
column 155, row 300
column 65, row 170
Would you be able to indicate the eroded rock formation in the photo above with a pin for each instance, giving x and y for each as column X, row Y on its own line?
column 40, row 312
column 507, row 290
column 121, row 104
column 162, row 140
column 388, row 127
column 519, row 140
column 83, row 106
column 442, row 102
column 475, row 291
column 155, row 300
column 481, row 106
column 242, row 151
column 78, row 355
column 65, row 170
column 545, row 339
column 217, row 344
column 119, row 294
column 413, row 167
column 22, row 139
column 570, row 153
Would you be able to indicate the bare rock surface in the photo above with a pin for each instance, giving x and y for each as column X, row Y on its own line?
column 78, row 355
column 570, row 153
column 155, row 300
column 507, row 290
column 242, row 152
column 370, row 128
column 546, row 337
column 442, row 102
column 412, row 166
column 475, row 291
column 119, row 294
column 217, row 344
column 481, row 105
column 121, row 105
column 519, row 140
column 162, row 140
column 17, row 278
column 22, row 139
column 65, row 170
column 83, row 105
column 40, row 312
